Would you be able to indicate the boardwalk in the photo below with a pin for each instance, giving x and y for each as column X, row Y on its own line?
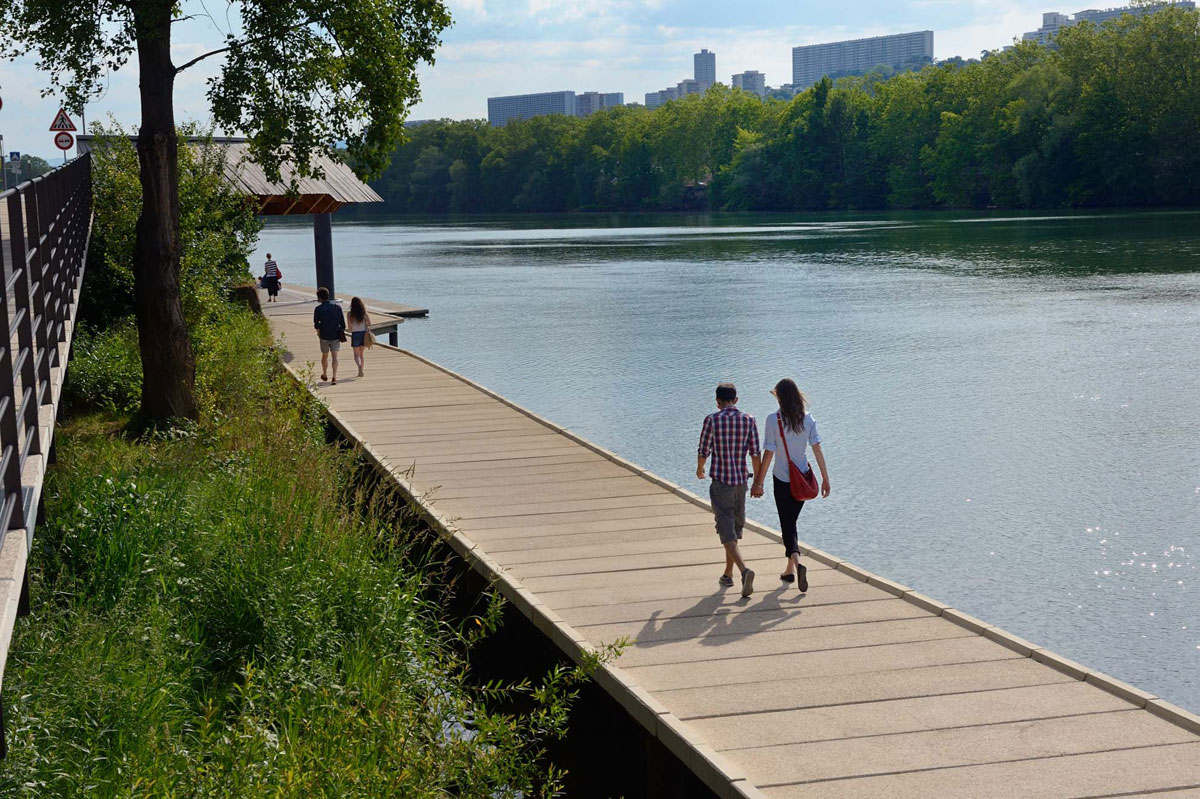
column 293, row 294
column 861, row 688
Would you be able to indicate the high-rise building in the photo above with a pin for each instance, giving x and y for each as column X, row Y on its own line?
column 587, row 103
column 751, row 81
column 704, row 69
column 705, row 64
column 813, row 62
column 501, row 110
column 1053, row 21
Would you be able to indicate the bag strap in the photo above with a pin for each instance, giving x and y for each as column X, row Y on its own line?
column 783, row 435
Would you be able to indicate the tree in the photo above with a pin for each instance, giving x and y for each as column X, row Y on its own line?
column 28, row 168
column 298, row 78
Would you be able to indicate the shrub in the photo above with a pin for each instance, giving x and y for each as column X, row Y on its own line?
column 217, row 228
column 105, row 369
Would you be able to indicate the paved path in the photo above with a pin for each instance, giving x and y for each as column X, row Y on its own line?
column 861, row 688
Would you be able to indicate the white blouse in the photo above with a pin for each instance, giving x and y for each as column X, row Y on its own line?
column 797, row 443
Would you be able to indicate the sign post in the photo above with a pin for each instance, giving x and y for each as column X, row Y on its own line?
column 62, row 127
column 62, row 122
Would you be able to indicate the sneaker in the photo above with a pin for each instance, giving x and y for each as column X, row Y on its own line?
column 726, row 581
column 747, row 582
column 802, row 582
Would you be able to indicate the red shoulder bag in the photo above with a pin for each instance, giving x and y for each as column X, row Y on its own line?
column 803, row 487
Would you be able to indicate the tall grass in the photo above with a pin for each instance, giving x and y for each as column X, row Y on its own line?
column 223, row 611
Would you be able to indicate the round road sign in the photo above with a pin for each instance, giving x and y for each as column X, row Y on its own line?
column 64, row 140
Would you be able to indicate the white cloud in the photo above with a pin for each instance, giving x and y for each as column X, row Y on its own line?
column 468, row 9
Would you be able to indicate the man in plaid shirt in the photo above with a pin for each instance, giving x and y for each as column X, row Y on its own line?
column 729, row 436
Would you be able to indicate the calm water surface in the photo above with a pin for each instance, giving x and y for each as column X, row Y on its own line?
column 1010, row 406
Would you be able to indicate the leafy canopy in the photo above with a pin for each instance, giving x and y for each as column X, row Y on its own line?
column 1110, row 116
column 316, row 73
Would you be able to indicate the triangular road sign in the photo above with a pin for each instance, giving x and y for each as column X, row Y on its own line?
column 62, row 121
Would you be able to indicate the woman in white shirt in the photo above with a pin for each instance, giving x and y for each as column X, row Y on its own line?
column 799, row 432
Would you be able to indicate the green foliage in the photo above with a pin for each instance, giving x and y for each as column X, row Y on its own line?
column 217, row 229
column 217, row 233
column 106, row 369
column 309, row 75
column 1109, row 117
column 225, row 611
column 28, row 168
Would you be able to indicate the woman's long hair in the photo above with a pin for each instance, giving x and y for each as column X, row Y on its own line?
column 358, row 311
column 791, row 404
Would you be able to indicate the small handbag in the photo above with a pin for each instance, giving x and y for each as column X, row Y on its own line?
column 803, row 487
column 369, row 340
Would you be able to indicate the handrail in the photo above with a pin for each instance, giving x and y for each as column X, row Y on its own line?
column 46, row 235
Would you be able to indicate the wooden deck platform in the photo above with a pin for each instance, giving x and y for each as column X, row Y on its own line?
column 859, row 688
column 291, row 295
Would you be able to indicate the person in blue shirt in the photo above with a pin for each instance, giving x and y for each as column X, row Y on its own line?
column 330, row 324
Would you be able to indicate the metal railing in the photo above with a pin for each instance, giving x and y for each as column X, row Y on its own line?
column 45, row 227
column 46, row 235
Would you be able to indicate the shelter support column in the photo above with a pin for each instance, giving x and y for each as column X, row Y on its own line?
column 323, row 247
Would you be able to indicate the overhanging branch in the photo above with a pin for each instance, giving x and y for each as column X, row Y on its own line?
column 236, row 45
column 200, row 58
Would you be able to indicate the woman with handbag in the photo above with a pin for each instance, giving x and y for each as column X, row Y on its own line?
column 272, row 277
column 360, row 332
column 792, row 430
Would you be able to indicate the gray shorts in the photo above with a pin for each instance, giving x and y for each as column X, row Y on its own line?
column 729, row 509
column 330, row 345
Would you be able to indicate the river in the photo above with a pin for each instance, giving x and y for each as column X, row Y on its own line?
column 1010, row 404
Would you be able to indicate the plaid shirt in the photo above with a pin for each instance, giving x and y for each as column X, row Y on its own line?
column 729, row 436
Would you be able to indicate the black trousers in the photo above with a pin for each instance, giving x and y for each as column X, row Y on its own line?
column 789, row 511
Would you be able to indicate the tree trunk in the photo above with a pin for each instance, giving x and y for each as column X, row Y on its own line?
column 168, row 368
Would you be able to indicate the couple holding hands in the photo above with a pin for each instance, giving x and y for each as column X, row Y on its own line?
column 728, row 437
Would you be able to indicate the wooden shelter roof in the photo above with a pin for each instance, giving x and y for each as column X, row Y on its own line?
column 340, row 186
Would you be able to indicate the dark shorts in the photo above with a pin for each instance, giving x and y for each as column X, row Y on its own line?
column 729, row 509
column 271, row 284
column 358, row 338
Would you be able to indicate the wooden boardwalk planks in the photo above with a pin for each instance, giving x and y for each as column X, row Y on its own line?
column 849, row 690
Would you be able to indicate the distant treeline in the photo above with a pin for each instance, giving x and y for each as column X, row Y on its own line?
column 1111, row 117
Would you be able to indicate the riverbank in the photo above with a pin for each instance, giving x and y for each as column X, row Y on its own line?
column 227, row 610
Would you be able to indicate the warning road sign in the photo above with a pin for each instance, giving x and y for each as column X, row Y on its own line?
column 62, row 121
column 64, row 140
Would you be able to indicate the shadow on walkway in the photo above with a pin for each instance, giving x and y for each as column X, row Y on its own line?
column 716, row 622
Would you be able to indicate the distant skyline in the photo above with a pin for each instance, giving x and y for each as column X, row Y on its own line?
column 504, row 47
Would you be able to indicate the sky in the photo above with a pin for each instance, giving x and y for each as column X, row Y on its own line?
column 498, row 47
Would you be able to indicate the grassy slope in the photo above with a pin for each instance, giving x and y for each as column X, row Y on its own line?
column 220, row 612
